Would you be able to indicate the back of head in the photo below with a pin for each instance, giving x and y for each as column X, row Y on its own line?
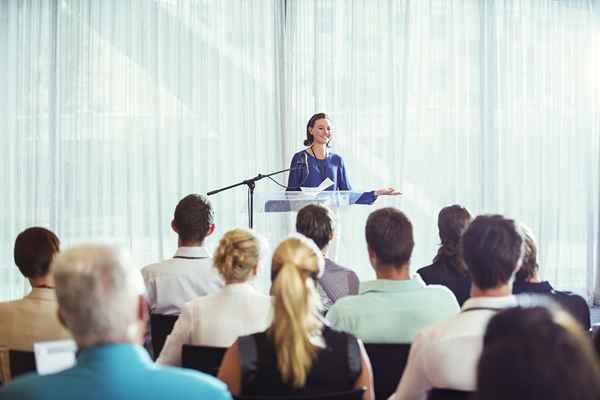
column 533, row 353
column 389, row 235
column 452, row 222
column 529, row 265
column 491, row 248
column 295, row 267
column 317, row 223
column 239, row 253
column 34, row 250
column 193, row 218
column 98, row 294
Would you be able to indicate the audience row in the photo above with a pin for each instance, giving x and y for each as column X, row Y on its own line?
column 466, row 330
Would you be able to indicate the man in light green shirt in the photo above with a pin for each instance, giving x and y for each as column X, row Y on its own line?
column 394, row 307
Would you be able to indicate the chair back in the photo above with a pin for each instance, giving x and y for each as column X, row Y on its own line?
column 388, row 362
column 21, row 362
column 356, row 394
column 160, row 327
column 202, row 358
column 447, row 394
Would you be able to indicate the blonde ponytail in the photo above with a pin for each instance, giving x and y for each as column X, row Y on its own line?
column 294, row 322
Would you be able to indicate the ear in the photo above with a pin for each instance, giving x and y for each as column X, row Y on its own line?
column 174, row 227
column 211, row 230
column 255, row 270
column 61, row 319
column 142, row 309
column 372, row 255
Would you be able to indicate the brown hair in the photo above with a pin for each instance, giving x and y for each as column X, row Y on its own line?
column 311, row 124
column 316, row 222
column 193, row 217
column 529, row 266
column 34, row 250
column 389, row 235
column 452, row 222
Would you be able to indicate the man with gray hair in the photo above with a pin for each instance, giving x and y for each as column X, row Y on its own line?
column 100, row 299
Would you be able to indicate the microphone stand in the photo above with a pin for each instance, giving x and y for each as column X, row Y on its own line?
column 251, row 183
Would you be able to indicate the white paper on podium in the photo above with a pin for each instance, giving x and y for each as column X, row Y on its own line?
column 54, row 356
column 313, row 191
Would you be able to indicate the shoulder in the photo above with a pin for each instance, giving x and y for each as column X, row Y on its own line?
column 299, row 154
column 336, row 158
column 331, row 266
column 347, row 305
column 34, row 386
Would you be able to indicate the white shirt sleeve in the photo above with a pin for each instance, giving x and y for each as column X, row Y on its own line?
column 180, row 335
column 414, row 384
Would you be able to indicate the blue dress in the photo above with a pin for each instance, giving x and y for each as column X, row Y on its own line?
column 331, row 167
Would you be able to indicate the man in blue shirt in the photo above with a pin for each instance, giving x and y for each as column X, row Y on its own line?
column 393, row 308
column 101, row 304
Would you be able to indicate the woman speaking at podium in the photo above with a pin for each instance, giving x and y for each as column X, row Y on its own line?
column 316, row 163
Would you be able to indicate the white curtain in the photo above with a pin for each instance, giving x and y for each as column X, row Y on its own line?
column 112, row 110
column 489, row 104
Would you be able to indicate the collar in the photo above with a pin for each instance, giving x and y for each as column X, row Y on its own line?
column 490, row 302
column 388, row 285
column 536, row 287
column 113, row 355
column 38, row 293
column 192, row 252
column 239, row 287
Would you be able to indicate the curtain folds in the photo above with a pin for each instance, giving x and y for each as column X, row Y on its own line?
column 113, row 110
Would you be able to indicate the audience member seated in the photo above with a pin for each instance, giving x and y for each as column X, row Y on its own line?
column 448, row 268
column 527, row 281
column 445, row 355
column 536, row 354
column 33, row 318
column 218, row 319
column 190, row 273
column 393, row 308
column 298, row 354
column 317, row 223
column 100, row 302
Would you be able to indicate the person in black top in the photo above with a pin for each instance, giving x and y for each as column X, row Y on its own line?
column 448, row 268
column 298, row 354
column 527, row 281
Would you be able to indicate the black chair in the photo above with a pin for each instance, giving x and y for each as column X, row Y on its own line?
column 356, row 394
column 447, row 394
column 21, row 362
column 388, row 362
column 202, row 358
column 160, row 327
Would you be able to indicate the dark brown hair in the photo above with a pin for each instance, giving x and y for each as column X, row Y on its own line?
column 193, row 217
column 311, row 124
column 533, row 353
column 529, row 266
column 389, row 235
column 452, row 222
column 491, row 247
column 316, row 222
column 34, row 250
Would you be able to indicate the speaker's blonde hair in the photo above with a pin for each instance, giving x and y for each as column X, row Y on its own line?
column 239, row 252
column 294, row 267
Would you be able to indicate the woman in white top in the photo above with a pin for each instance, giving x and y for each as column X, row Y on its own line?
column 237, row 310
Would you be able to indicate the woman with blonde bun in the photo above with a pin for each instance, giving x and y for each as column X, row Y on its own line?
column 238, row 309
column 298, row 354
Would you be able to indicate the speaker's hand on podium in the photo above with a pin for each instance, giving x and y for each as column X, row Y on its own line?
column 389, row 191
